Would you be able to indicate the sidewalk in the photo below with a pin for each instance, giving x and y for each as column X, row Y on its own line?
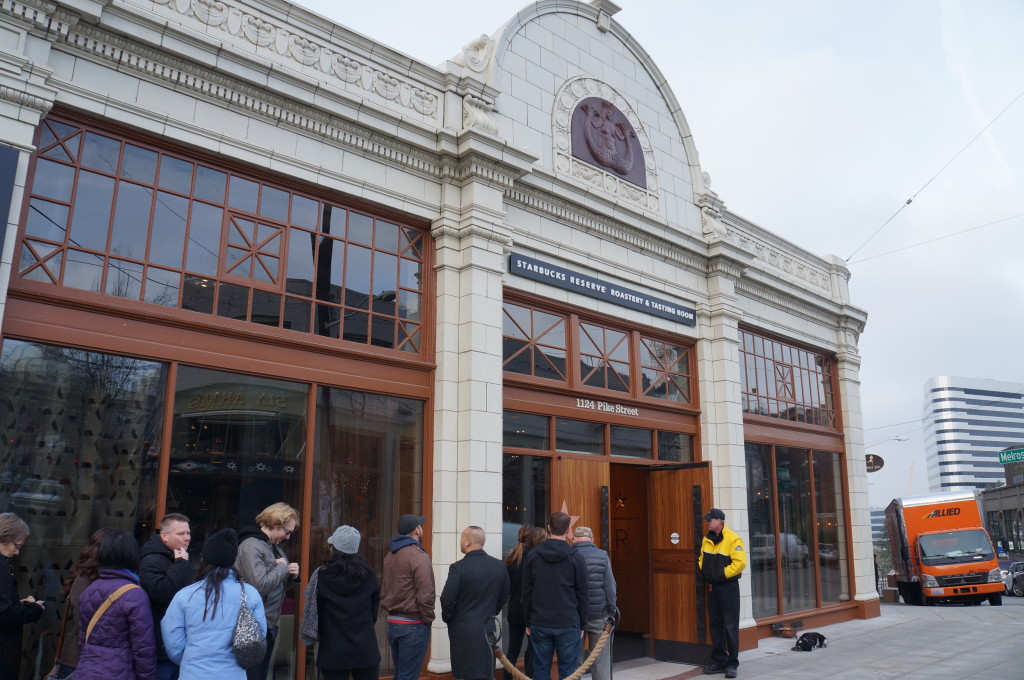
column 905, row 642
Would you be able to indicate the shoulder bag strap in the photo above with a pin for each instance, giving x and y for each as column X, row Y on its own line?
column 111, row 599
column 63, row 628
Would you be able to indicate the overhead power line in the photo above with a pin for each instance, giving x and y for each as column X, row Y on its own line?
column 938, row 238
column 925, row 185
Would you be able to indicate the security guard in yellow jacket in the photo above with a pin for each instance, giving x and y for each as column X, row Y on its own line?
column 722, row 559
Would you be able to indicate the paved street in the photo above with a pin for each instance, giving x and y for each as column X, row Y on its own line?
column 905, row 642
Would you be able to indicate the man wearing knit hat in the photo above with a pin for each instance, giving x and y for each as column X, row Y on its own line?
column 721, row 561
column 407, row 593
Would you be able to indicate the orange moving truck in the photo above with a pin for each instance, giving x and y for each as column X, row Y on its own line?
column 940, row 550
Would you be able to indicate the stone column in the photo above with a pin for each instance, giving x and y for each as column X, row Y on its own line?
column 721, row 406
column 471, row 242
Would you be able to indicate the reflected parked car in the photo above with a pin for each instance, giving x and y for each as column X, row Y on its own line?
column 828, row 553
column 762, row 549
column 1013, row 579
column 38, row 494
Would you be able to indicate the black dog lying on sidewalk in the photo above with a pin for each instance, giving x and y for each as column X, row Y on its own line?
column 808, row 641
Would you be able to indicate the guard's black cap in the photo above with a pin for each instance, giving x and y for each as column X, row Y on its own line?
column 714, row 513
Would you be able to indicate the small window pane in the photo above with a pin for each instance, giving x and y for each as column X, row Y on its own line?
column 517, row 323
column 330, row 269
column 197, row 295
column 328, row 321
column 675, row 447
column 139, row 164
column 83, row 270
column 233, row 301
column 384, row 276
column 357, row 277
column 409, row 305
column 301, row 248
column 360, row 228
column 387, row 236
column 334, row 220
column 549, row 329
column 210, row 184
column 266, row 308
column 175, row 175
column 525, row 431
column 549, row 363
column 53, row 180
column 124, row 279
column 46, row 220
column 91, row 215
column 383, row 331
column 357, row 326
column 131, row 220
column 409, row 274
column 296, row 314
column 243, row 193
column 101, row 153
column 274, row 204
column 168, row 235
column 579, row 436
column 204, row 229
column 633, row 442
column 162, row 287
column 304, row 212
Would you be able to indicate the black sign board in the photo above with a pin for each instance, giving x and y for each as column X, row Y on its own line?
column 875, row 463
column 529, row 268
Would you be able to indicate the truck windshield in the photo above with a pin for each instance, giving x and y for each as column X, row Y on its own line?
column 950, row 547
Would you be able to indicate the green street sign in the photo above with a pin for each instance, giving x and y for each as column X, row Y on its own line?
column 1011, row 456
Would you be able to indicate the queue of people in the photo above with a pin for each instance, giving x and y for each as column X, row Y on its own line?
column 143, row 614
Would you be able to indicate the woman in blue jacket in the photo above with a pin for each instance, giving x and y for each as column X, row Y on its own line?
column 200, row 622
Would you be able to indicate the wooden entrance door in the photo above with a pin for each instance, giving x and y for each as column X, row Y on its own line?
column 679, row 495
column 579, row 484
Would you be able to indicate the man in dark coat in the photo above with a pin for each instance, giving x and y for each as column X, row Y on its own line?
column 601, row 594
column 555, row 592
column 164, row 569
column 476, row 590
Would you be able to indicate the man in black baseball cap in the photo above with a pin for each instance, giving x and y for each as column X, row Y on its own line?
column 407, row 594
column 722, row 559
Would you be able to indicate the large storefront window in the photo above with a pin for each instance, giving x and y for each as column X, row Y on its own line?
column 123, row 218
column 781, row 380
column 81, row 433
column 368, row 470
column 800, row 561
column 532, row 431
column 526, row 495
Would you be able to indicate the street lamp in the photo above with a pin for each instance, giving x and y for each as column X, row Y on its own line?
column 897, row 437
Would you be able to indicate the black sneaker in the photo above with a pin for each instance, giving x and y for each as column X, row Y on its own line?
column 730, row 671
column 712, row 669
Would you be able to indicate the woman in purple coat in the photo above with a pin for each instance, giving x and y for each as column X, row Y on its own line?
column 121, row 645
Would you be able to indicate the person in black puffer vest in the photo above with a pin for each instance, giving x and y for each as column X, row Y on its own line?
column 722, row 559
column 601, row 594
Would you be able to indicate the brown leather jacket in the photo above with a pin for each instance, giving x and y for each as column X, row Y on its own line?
column 408, row 585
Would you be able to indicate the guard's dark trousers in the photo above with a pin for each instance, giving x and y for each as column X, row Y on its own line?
column 724, row 613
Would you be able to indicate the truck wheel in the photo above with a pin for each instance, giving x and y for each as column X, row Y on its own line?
column 996, row 599
column 927, row 601
column 1018, row 589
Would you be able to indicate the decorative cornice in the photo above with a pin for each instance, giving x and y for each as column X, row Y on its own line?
column 474, row 230
column 40, row 14
column 725, row 265
column 571, row 93
column 211, row 84
column 778, row 260
column 339, row 66
column 576, row 215
column 757, row 291
column 22, row 98
column 476, row 56
column 461, row 171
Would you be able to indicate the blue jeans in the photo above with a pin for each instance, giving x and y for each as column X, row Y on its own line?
column 409, row 643
column 167, row 670
column 565, row 642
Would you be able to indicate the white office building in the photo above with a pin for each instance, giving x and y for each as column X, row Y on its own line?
column 967, row 422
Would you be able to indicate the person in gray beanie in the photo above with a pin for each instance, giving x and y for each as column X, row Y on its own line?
column 342, row 600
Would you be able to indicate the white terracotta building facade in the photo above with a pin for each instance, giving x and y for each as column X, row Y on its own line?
column 529, row 312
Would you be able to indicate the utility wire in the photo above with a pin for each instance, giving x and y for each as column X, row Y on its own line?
column 925, row 185
column 937, row 238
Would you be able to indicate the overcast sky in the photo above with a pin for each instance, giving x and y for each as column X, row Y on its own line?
column 818, row 120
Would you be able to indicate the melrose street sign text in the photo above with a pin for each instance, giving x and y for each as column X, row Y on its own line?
column 529, row 268
column 1011, row 456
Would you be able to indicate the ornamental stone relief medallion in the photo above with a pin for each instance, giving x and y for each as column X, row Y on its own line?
column 600, row 142
column 602, row 136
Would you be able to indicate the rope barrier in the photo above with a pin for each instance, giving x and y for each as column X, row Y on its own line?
column 611, row 620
